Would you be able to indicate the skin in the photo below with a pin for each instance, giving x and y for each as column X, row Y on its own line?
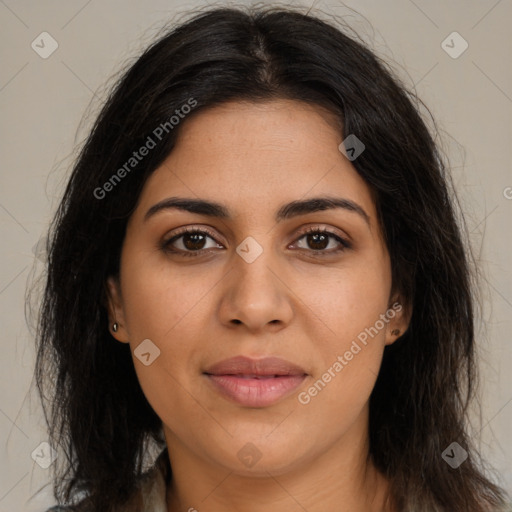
column 290, row 302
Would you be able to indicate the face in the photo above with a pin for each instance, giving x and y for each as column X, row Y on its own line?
column 266, row 273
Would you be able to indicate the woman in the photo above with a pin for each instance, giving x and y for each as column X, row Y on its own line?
column 256, row 270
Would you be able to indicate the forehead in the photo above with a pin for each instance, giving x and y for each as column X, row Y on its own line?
column 257, row 156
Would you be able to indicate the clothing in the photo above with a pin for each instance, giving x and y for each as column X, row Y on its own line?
column 150, row 496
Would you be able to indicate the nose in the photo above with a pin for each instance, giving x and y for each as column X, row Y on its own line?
column 256, row 296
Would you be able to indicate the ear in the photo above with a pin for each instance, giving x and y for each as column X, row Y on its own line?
column 116, row 310
column 399, row 315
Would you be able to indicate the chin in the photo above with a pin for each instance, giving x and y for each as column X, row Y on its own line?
column 256, row 456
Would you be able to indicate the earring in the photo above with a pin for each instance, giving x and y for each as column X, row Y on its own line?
column 115, row 325
column 395, row 332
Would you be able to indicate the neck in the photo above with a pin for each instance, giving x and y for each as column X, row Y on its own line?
column 343, row 479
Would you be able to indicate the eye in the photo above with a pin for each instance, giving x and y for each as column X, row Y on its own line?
column 190, row 242
column 318, row 240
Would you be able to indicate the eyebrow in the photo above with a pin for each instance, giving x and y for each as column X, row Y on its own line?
column 287, row 211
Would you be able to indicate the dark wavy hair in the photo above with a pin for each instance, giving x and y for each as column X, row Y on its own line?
column 93, row 402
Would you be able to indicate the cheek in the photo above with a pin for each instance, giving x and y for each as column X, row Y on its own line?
column 166, row 381
column 167, row 307
column 160, row 299
column 348, row 328
column 341, row 303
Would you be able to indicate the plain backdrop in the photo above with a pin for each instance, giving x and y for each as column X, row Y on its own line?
column 43, row 102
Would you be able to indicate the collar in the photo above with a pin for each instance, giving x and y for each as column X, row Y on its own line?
column 153, row 486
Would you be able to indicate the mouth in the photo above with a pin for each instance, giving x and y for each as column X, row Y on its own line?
column 255, row 382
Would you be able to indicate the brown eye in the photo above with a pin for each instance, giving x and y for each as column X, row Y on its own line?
column 319, row 240
column 194, row 241
column 191, row 242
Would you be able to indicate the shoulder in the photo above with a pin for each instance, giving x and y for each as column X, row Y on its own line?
column 149, row 494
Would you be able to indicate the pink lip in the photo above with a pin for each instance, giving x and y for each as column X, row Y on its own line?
column 255, row 382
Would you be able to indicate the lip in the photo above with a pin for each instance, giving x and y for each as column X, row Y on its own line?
column 255, row 382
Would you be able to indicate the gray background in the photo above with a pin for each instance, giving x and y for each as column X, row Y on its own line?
column 43, row 103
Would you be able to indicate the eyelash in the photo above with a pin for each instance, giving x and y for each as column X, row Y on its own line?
column 166, row 245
